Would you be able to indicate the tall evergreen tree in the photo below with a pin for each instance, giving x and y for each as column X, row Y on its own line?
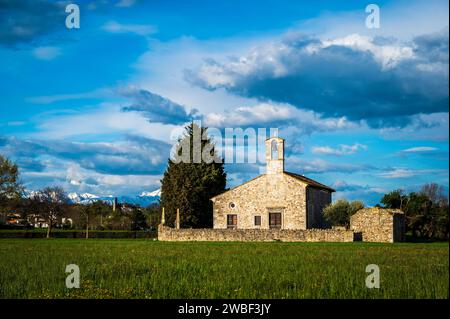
column 10, row 186
column 190, row 180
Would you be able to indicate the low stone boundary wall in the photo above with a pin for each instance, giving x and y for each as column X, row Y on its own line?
column 209, row 234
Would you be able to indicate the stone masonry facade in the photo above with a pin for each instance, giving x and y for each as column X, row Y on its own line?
column 259, row 197
column 379, row 224
column 208, row 234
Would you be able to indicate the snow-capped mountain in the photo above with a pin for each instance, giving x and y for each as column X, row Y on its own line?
column 82, row 198
column 139, row 200
column 143, row 200
column 151, row 194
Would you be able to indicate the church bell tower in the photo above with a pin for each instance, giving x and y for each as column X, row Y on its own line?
column 275, row 155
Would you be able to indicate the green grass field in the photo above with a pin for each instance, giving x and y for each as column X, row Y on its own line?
column 139, row 268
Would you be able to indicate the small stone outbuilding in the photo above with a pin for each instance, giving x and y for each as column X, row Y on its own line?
column 378, row 224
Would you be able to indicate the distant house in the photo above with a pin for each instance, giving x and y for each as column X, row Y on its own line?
column 67, row 222
column 13, row 219
column 37, row 221
column 276, row 199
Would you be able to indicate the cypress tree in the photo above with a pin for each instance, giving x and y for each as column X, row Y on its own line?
column 189, row 184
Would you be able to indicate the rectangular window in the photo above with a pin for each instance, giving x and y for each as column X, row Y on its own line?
column 231, row 221
column 257, row 220
column 275, row 220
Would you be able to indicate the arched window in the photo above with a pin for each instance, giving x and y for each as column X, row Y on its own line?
column 274, row 150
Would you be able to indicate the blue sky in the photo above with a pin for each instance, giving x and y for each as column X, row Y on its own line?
column 95, row 109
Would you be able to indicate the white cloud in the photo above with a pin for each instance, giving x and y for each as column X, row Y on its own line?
column 433, row 127
column 321, row 166
column 46, row 52
column 341, row 150
column 250, row 115
column 161, row 70
column 388, row 55
column 139, row 29
column 125, row 3
column 283, row 58
column 276, row 115
column 74, row 178
column 47, row 99
column 407, row 172
column 102, row 120
column 419, row 149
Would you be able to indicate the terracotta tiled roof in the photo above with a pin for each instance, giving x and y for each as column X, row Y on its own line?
column 310, row 181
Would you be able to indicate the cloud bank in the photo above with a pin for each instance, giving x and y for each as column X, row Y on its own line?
column 384, row 82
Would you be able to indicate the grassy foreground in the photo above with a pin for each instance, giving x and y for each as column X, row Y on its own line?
column 35, row 268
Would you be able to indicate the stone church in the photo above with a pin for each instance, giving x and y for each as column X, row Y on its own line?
column 274, row 200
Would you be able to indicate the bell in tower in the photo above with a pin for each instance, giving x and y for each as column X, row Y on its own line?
column 275, row 155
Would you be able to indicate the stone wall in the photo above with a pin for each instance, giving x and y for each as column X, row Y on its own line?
column 379, row 224
column 255, row 198
column 207, row 234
